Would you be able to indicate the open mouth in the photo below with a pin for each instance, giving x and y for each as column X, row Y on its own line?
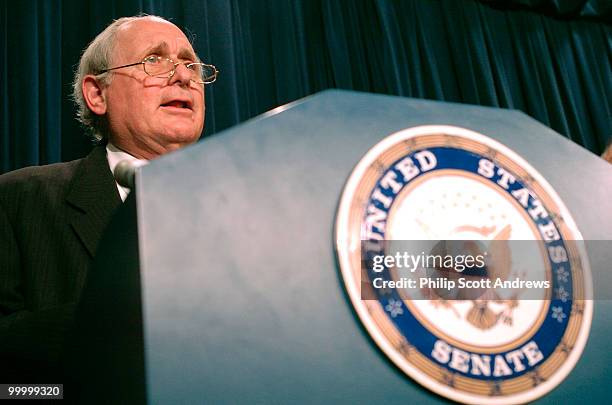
column 178, row 104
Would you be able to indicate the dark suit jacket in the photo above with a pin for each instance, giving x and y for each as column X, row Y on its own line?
column 51, row 220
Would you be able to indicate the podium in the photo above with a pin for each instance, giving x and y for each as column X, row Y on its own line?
column 242, row 299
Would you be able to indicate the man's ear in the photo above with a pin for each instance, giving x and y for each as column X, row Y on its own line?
column 94, row 95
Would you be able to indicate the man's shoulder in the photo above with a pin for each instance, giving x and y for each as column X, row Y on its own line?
column 34, row 177
column 54, row 179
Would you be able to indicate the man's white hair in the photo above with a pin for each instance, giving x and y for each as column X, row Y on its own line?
column 96, row 57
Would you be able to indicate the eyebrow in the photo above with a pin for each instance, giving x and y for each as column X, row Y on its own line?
column 163, row 48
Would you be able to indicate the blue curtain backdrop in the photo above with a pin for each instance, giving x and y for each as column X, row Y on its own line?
column 550, row 59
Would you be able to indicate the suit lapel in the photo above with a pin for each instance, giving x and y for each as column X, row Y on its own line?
column 93, row 195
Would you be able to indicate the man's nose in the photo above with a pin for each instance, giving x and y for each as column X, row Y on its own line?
column 182, row 75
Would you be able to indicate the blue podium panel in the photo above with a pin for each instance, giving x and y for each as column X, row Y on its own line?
column 242, row 297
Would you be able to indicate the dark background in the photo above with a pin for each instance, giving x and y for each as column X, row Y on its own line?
column 548, row 58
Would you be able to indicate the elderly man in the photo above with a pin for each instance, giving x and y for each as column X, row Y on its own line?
column 140, row 90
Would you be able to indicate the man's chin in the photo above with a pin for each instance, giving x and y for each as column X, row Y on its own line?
column 180, row 136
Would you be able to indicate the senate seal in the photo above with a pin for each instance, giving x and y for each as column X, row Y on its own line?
column 521, row 322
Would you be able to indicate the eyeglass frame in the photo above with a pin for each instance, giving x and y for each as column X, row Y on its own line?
column 172, row 71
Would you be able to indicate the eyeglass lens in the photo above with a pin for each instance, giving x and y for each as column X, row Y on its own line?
column 162, row 67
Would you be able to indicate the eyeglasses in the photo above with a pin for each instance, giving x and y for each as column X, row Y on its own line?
column 156, row 66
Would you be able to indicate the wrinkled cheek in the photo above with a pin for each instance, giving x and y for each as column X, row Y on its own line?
column 201, row 120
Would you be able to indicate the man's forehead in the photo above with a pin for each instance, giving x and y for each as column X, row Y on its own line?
column 147, row 34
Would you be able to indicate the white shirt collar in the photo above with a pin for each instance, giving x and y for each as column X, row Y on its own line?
column 114, row 155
